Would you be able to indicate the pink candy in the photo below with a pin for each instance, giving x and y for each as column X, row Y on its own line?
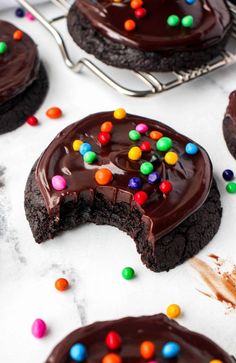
column 29, row 16
column 142, row 128
column 58, row 182
column 39, row 328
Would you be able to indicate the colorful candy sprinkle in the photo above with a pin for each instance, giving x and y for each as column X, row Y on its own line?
column 113, row 340
column 190, row 2
column 187, row 21
column 39, row 328
column 76, row 145
column 142, row 128
column 145, row 146
column 228, row 175
column 173, row 311
column 147, row 350
column 3, row 47
column 191, row 149
column 171, row 158
column 54, row 112
column 119, row 114
column 107, row 126
column 61, row 284
column 154, row 177
column 59, row 182
column 146, row 168
column 78, row 352
column 104, row 138
column 231, row 187
column 165, row 187
column 103, row 176
column 135, row 4
column 173, row 20
column 140, row 13
column 111, row 358
column 135, row 153
column 18, row 35
column 29, row 16
column 170, row 350
column 216, row 361
column 20, row 13
column 90, row 157
column 155, row 135
column 135, row 183
column 129, row 25
column 128, row 273
column 164, row 144
column 84, row 148
column 134, row 135
column 140, row 197
column 32, row 121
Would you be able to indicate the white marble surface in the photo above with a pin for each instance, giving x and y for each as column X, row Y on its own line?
column 91, row 257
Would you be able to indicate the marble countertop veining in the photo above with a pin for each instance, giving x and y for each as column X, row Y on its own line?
column 92, row 257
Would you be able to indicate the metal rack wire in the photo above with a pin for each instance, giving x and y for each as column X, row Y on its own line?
column 154, row 83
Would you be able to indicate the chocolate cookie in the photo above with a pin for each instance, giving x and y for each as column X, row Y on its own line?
column 127, row 338
column 23, row 79
column 147, row 35
column 229, row 124
column 154, row 184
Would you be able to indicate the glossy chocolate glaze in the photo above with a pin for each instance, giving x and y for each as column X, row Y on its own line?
column 19, row 66
column 195, row 348
column 212, row 21
column 191, row 176
column 231, row 109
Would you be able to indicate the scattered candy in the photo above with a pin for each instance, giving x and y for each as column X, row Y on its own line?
column 29, row 16
column 191, row 149
column 140, row 13
column 155, row 135
column 61, row 284
column 54, row 112
column 20, row 13
column 147, row 350
column 134, row 135
column 59, row 182
column 140, row 197
column 112, row 358
column 135, row 183
column 39, row 328
column 173, row 311
column 228, row 175
column 104, row 138
column 113, row 340
column 18, row 35
column 154, row 177
column 142, row 128
column 145, row 146
column 103, row 176
column 78, row 352
column 135, row 153
column 170, row 350
column 146, row 168
column 135, row 4
column 190, row 2
column 107, row 126
column 119, row 114
column 187, row 21
column 84, row 148
column 3, row 47
column 165, row 187
column 32, row 121
column 90, row 157
column 216, row 361
column 171, row 158
column 128, row 273
column 173, row 20
column 129, row 25
column 231, row 187
column 164, row 144
column 76, row 145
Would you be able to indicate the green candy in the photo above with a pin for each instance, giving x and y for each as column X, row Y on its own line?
column 134, row 135
column 231, row 187
column 173, row 20
column 164, row 144
column 128, row 273
column 187, row 21
column 90, row 157
column 3, row 47
column 146, row 168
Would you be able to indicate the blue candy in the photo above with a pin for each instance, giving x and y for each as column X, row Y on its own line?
column 170, row 350
column 84, row 148
column 154, row 177
column 20, row 13
column 190, row 2
column 78, row 352
column 191, row 148
column 228, row 175
column 135, row 183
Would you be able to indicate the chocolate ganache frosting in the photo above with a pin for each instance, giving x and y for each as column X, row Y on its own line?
column 194, row 347
column 19, row 65
column 231, row 109
column 211, row 22
column 191, row 177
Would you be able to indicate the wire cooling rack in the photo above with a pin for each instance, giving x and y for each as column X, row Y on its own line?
column 154, row 82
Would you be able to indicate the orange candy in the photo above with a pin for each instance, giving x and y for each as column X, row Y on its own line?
column 54, row 112
column 129, row 25
column 61, row 284
column 147, row 350
column 18, row 35
column 135, row 4
column 103, row 176
column 107, row 126
column 112, row 358
column 155, row 135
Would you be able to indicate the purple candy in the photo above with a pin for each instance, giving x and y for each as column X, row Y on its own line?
column 39, row 328
column 154, row 177
column 58, row 182
column 135, row 183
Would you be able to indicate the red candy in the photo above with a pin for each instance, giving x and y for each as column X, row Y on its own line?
column 104, row 138
column 145, row 146
column 140, row 13
column 32, row 121
column 140, row 197
column 113, row 340
column 165, row 187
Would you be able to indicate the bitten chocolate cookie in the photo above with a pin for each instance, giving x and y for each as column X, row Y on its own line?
column 136, row 340
column 147, row 35
column 23, row 79
column 229, row 124
column 130, row 172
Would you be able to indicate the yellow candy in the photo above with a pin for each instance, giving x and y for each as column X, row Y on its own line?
column 215, row 361
column 77, row 144
column 173, row 311
column 135, row 153
column 119, row 114
column 171, row 158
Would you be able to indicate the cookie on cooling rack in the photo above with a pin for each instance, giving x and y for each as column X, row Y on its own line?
column 229, row 124
column 130, row 172
column 23, row 79
column 147, row 35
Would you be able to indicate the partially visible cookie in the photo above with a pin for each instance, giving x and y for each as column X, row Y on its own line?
column 23, row 79
column 229, row 124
